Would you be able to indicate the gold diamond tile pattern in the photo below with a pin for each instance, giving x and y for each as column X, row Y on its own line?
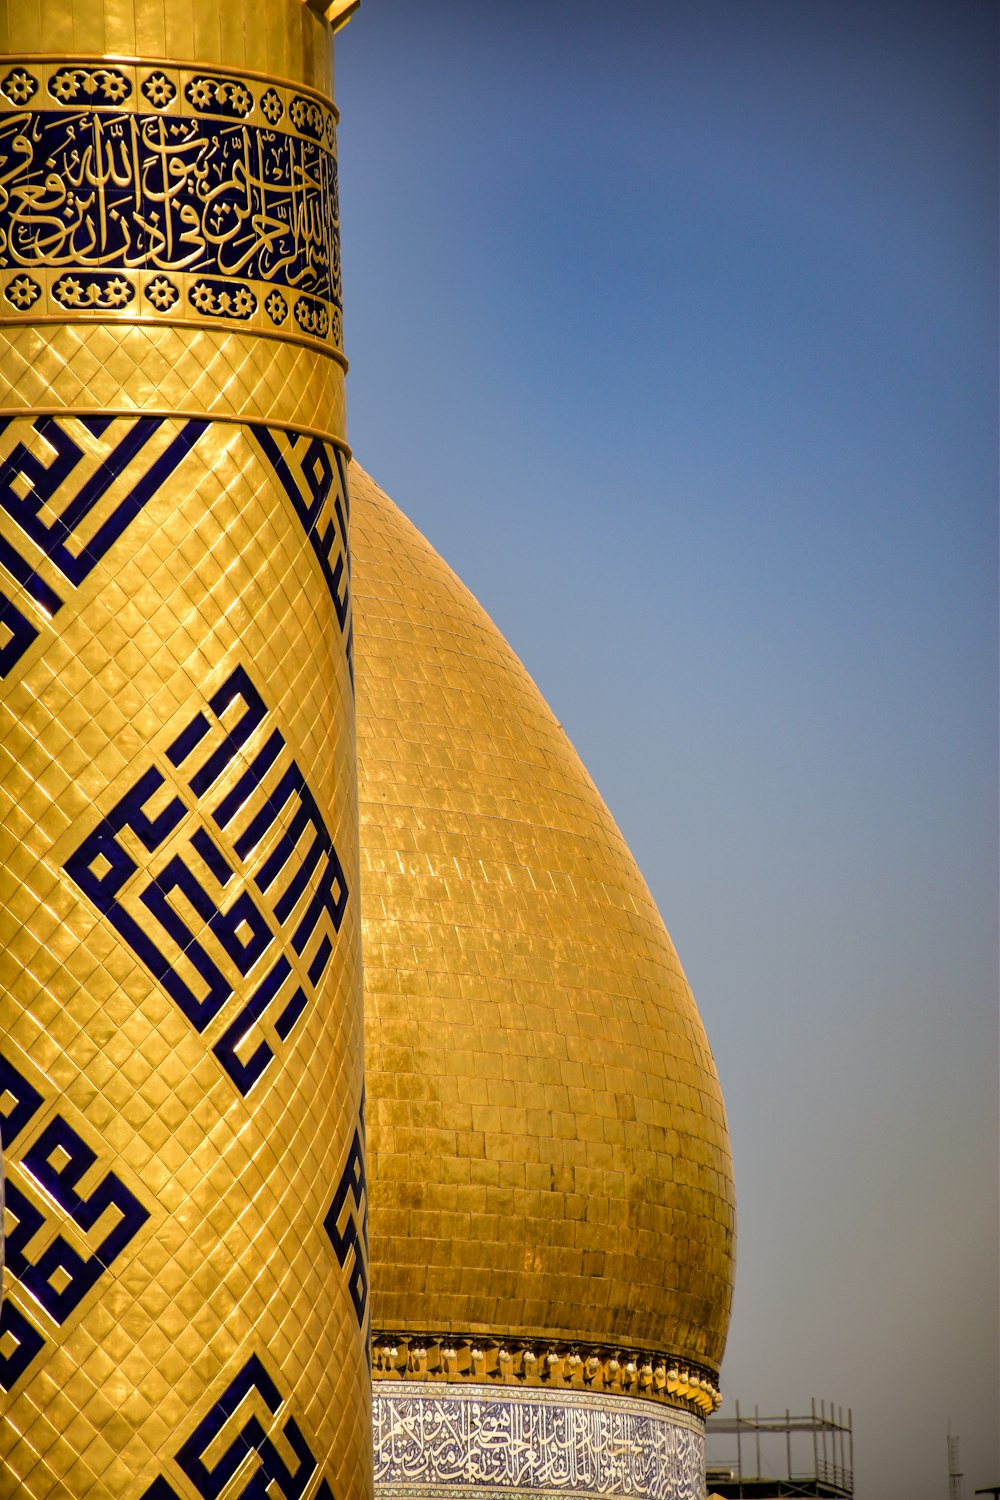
column 548, row 1151
column 181, row 1083
column 181, row 1077
column 199, row 372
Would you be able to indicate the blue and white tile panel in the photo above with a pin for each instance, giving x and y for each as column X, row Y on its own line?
column 480, row 1442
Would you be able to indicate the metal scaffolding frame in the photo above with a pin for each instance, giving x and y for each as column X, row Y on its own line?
column 830, row 1475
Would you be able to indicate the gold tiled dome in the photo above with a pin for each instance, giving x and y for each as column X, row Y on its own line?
column 548, row 1153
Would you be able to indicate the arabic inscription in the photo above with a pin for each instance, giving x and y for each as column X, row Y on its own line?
column 504, row 1446
column 192, row 198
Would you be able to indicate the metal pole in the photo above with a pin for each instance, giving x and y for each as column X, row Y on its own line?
column 739, row 1449
column 788, row 1439
column 756, row 1418
column 840, row 1419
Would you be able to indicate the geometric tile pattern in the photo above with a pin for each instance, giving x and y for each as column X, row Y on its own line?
column 44, row 1166
column 179, row 922
column 270, row 826
column 71, row 485
column 233, row 1438
column 314, row 477
column 67, row 492
column 346, row 1221
column 178, row 749
column 491, row 1443
column 548, row 1155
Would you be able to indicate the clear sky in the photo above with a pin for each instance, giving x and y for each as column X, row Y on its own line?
column 673, row 325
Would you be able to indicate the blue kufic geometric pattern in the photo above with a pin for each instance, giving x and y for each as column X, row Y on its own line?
column 57, row 515
column 46, row 1165
column 256, row 865
column 236, row 1438
column 313, row 475
column 347, row 1227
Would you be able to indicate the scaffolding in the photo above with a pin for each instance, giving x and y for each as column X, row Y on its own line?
column 954, row 1468
column 817, row 1455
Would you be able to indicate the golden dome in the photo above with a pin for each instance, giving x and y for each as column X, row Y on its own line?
column 548, row 1153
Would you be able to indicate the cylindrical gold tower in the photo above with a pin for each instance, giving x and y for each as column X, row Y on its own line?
column 185, row 1309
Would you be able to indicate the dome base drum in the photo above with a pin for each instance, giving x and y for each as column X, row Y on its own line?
column 478, row 1443
column 518, row 1363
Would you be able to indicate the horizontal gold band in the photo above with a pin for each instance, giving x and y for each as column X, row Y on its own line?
column 83, row 319
column 128, row 368
column 286, row 40
column 191, row 413
column 462, row 1358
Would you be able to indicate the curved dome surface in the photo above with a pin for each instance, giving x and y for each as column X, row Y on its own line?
column 547, row 1143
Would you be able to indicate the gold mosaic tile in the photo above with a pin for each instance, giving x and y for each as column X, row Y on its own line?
column 181, row 1079
column 196, row 372
column 549, row 1156
column 223, row 1178
column 286, row 40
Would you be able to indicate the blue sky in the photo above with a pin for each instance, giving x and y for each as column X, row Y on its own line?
column 673, row 326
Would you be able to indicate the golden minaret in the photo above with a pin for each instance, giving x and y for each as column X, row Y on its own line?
column 185, row 1304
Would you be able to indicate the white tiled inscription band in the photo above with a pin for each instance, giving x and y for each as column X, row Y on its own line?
column 477, row 1442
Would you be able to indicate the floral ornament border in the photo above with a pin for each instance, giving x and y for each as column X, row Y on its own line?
column 70, row 83
column 184, row 301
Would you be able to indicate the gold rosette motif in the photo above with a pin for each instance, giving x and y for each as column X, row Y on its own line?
column 185, row 1308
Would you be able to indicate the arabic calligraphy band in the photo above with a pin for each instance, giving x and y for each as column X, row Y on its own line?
column 185, row 1299
column 531, row 1442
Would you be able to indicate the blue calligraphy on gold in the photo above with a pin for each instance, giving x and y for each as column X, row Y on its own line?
column 119, row 191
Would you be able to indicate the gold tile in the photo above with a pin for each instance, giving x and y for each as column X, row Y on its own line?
column 514, row 954
column 196, row 562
